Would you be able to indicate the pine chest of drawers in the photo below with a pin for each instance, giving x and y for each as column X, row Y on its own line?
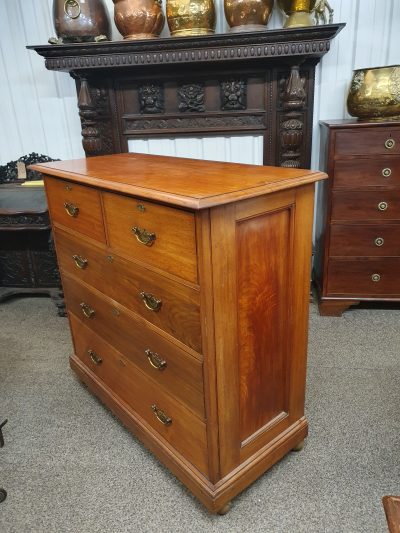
column 186, row 284
column 358, row 234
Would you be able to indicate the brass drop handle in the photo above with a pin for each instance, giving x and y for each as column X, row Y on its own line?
column 80, row 262
column 382, row 206
column 390, row 143
column 97, row 360
column 143, row 236
column 87, row 310
column 71, row 209
column 151, row 302
column 161, row 416
column 155, row 360
column 386, row 172
column 376, row 277
column 379, row 241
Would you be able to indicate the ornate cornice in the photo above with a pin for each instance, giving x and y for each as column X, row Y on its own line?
column 271, row 44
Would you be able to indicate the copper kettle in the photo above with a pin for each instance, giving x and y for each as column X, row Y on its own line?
column 81, row 21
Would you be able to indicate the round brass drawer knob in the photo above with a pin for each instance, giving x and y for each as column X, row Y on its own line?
column 376, row 277
column 382, row 206
column 390, row 143
column 379, row 241
column 386, row 172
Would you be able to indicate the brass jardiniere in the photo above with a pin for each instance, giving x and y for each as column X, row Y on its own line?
column 191, row 17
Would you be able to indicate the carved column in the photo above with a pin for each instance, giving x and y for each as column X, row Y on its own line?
column 291, row 125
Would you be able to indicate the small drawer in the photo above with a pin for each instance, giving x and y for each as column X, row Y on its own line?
column 365, row 240
column 154, row 234
column 362, row 205
column 163, row 413
column 357, row 173
column 366, row 141
column 364, row 278
column 169, row 305
column 181, row 374
column 76, row 207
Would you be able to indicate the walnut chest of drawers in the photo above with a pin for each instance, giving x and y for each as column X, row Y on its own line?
column 186, row 284
column 358, row 233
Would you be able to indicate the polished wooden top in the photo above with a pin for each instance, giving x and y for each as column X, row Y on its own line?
column 191, row 183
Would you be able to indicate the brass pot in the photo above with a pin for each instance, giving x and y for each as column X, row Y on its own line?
column 248, row 15
column 375, row 93
column 299, row 12
column 191, row 17
column 81, row 20
column 139, row 19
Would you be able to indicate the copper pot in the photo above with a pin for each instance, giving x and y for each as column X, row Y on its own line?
column 191, row 17
column 139, row 19
column 248, row 15
column 81, row 20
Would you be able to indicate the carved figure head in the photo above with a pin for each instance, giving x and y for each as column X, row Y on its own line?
column 233, row 94
column 151, row 99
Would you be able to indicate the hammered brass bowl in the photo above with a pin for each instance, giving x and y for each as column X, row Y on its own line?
column 375, row 93
column 248, row 15
column 191, row 17
column 299, row 12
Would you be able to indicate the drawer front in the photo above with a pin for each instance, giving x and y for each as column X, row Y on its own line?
column 76, row 207
column 168, row 305
column 160, row 236
column 369, row 277
column 166, row 363
column 365, row 141
column 174, row 422
column 365, row 240
column 374, row 205
column 378, row 172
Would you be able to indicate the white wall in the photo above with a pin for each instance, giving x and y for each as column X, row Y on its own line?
column 38, row 107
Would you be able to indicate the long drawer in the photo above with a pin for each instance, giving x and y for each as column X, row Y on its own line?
column 76, row 207
column 157, row 235
column 366, row 205
column 360, row 172
column 166, row 363
column 365, row 240
column 366, row 277
column 169, row 418
column 169, row 305
column 368, row 141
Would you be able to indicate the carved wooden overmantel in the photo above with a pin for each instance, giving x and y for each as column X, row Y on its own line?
column 226, row 84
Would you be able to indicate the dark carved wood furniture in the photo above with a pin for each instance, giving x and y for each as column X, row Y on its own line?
column 186, row 284
column 255, row 83
column 358, row 239
column 27, row 258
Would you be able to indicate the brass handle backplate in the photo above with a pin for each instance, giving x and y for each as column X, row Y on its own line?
column 379, row 241
column 71, row 209
column 143, row 236
column 161, row 416
column 151, row 302
column 382, row 206
column 87, row 310
column 376, row 277
column 97, row 360
column 80, row 262
column 155, row 360
column 386, row 172
column 390, row 143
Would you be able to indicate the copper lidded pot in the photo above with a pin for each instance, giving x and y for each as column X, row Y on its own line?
column 191, row 17
column 81, row 20
column 248, row 15
column 139, row 19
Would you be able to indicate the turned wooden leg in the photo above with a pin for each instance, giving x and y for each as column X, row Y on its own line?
column 225, row 509
column 299, row 446
column 335, row 307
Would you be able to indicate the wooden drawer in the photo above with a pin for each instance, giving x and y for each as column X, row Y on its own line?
column 362, row 205
column 174, row 246
column 183, row 431
column 75, row 206
column 179, row 311
column 356, row 173
column 365, row 240
column 130, row 334
column 364, row 278
column 367, row 141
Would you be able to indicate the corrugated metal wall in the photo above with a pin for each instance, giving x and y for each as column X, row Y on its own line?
column 38, row 108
